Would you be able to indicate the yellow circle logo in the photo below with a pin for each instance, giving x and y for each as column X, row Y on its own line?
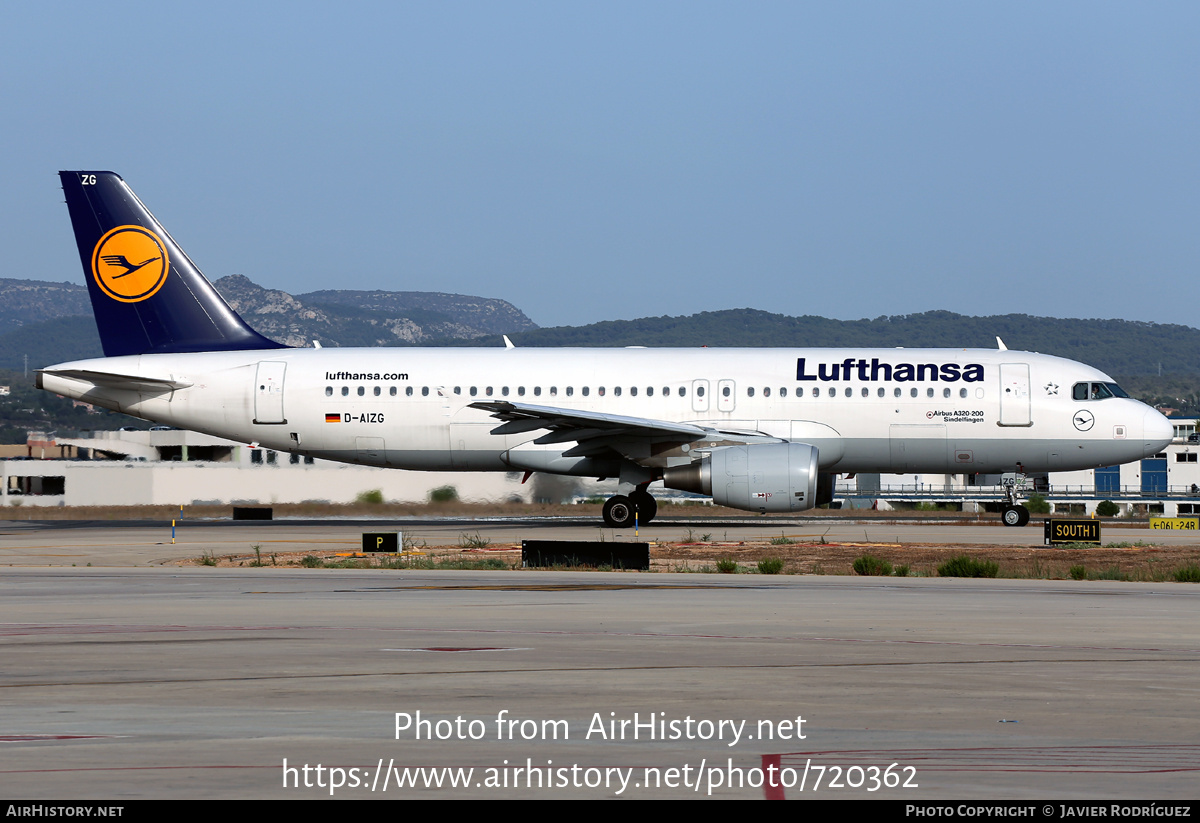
column 130, row 263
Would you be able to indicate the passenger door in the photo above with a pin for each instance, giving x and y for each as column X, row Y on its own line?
column 268, row 392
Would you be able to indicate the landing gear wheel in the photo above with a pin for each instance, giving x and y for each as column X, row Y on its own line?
column 647, row 506
column 618, row 512
column 1015, row 516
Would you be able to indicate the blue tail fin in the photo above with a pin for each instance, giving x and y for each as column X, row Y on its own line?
column 146, row 294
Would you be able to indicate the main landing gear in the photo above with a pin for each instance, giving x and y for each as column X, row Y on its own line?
column 619, row 511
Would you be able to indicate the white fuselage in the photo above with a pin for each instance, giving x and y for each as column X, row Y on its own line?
column 866, row 410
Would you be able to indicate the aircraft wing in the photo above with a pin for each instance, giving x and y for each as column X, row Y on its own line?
column 595, row 432
column 575, row 424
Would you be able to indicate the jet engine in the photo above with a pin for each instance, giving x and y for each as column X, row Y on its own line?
column 761, row 477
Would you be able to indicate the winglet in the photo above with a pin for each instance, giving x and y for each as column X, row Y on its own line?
column 508, row 344
column 1000, row 344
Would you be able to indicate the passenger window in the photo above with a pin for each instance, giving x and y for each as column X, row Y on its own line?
column 913, row 392
column 725, row 391
column 816, row 392
column 849, row 391
column 362, row 391
column 929, row 392
column 329, row 391
column 865, row 391
column 424, row 391
column 633, row 391
column 783, row 392
column 474, row 391
column 488, row 391
column 962, row 392
column 570, row 391
column 616, row 391
column 945, row 392
column 378, row 391
column 408, row 391
column 554, row 391
column 345, row 391
column 750, row 391
column 832, row 391
column 880, row 392
column 767, row 391
column 699, row 391
column 585, row 391
column 504, row 391
column 392, row 391
column 458, row 389
column 682, row 391
column 649, row 391
column 537, row 391
column 520, row 391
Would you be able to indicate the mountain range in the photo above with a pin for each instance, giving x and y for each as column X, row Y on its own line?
column 51, row 323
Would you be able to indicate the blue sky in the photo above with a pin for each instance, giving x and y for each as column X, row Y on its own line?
column 595, row 161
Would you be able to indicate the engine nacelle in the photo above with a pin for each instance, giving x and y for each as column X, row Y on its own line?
column 762, row 477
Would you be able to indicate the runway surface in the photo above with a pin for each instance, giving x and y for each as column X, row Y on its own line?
column 130, row 680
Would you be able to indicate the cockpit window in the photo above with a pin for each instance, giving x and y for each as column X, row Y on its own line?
column 1097, row 391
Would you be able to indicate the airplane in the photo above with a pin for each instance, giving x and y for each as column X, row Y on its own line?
column 762, row 430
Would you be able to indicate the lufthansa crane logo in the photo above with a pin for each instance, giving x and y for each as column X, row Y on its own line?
column 130, row 263
column 1083, row 420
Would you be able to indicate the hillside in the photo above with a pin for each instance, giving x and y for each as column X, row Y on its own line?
column 52, row 322
column 32, row 301
column 1119, row 347
column 1159, row 363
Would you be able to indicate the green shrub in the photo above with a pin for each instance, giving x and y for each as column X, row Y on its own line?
column 727, row 565
column 870, row 566
column 770, row 565
column 1188, row 574
column 443, row 494
column 370, row 496
column 1107, row 508
column 1078, row 573
column 902, row 571
column 473, row 541
column 311, row 561
column 1037, row 504
column 964, row 566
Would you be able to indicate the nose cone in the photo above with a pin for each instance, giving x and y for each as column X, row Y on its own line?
column 1157, row 432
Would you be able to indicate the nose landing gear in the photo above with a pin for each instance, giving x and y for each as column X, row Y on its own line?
column 1014, row 513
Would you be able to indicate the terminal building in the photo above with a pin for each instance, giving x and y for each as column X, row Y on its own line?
column 164, row 466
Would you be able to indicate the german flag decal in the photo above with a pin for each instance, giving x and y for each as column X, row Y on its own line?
column 333, row 418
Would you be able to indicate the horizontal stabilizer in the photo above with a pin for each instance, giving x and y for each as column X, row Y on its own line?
column 111, row 380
